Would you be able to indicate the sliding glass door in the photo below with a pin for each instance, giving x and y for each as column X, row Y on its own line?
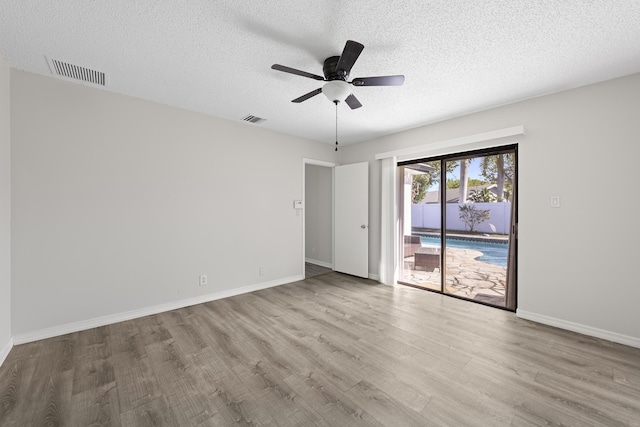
column 421, row 224
column 456, row 216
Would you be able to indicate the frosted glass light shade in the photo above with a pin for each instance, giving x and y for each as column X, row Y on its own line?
column 336, row 90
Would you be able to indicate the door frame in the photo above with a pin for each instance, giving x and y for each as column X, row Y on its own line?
column 458, row 155
column 322, row 163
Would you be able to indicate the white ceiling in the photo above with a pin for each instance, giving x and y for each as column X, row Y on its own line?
column 214, row 56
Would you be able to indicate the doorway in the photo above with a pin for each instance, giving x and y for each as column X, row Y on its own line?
column 318, row 218
column 457, row 221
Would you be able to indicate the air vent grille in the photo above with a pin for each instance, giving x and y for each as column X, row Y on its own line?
column 77, row 72
column 253, row 119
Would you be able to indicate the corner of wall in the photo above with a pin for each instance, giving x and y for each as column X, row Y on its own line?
column 4, row 351
column 6, row 339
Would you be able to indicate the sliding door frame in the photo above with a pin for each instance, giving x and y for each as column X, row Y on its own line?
column 512, row 263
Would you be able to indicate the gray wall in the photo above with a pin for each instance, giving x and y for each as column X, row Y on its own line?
column 5, row 211
column 120, row 204
column 582, row 145
column 318, row 214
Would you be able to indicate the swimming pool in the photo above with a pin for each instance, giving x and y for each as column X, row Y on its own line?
column 492, row 253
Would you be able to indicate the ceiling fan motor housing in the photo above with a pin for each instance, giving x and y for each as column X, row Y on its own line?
column 330, row 71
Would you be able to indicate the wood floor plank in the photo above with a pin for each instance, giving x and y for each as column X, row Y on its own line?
column 395, row 369
column 334, row 407
column 91, row 373
column 308, row 348
column 97, row 406
column 272, row 366
column 445, row 410
column 135, row 380
column 594, row 400
column 56, row 407
column 152, row 329
column 168, row 364
column 15, row 388
column 126, row 338
column 631, row 381
column 93, row 343
column 55, row 355
column 330, row 350
column 384, row 408
column 190, row 401
column 312, row 270
column 156, row 413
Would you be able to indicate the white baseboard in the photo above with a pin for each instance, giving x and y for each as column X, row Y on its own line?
column 580, row 328
column 147, row 311
column 4, row 352
column 320, row 263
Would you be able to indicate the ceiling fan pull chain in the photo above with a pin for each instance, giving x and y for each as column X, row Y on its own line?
column 336, row 102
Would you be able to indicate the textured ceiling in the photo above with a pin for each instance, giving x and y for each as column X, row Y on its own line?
column 214, row 57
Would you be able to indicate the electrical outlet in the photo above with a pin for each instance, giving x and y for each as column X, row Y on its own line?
column 203, row 280
column 262, row 271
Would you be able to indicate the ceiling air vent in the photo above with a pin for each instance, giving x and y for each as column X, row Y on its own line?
column 253, row 119
column 76, row 72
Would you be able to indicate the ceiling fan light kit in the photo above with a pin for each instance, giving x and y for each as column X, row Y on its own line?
column 336, row 90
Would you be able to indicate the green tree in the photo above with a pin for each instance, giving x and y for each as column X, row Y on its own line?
column 473, row 216
column 482, row 196
column 500, row 169
column 419, row 185
column 435, row 178
column 473, row 182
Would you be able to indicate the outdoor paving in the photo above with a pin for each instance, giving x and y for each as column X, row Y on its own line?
column 466, row 277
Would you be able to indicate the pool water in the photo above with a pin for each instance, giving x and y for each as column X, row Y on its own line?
column 492, row 253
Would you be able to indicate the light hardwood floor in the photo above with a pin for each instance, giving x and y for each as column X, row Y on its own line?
column 332, row 350
column 312, row 270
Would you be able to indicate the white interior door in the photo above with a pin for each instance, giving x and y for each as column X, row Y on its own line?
column 351, row 238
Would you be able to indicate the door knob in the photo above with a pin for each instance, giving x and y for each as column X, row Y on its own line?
column 363, row 226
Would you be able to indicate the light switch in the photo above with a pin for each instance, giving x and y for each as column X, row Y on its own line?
column 297, row 204
column 555, row 201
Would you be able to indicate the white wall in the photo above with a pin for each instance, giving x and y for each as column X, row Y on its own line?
column 427, row 215
column 581, row 145
column 318, row 215
column 120, row 204
column 5, row 212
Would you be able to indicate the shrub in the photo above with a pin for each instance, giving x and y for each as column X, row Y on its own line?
column 473, row 216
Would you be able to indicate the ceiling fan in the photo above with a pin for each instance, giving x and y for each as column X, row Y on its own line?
column 336, row 71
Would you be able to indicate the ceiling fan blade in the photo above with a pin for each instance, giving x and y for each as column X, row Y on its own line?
column 379, row 81
column 307, row 96
column 349, row 56
column 353, row 102
column 296, row 72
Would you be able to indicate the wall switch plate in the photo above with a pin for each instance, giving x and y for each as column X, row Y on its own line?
column 555, row 201
column 297, row 204
column 203, row 280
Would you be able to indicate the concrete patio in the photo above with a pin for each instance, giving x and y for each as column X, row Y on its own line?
column 466, row 277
